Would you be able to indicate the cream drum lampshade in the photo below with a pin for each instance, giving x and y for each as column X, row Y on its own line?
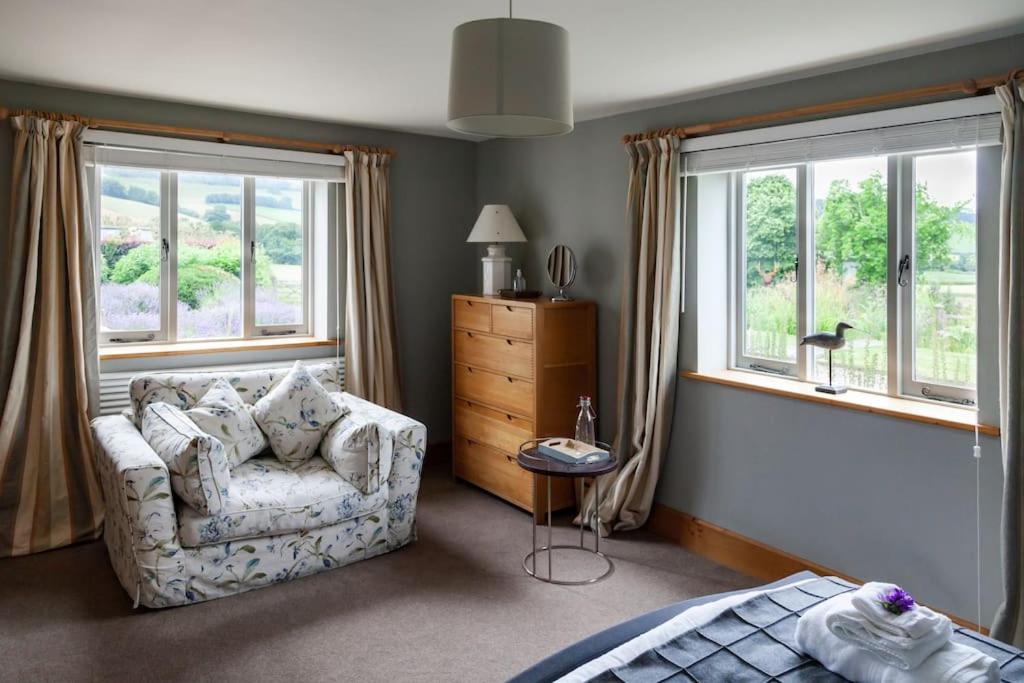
column 495, row 225
column 510, row 78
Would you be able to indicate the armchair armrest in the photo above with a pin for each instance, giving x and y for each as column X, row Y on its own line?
column 402, row 473
column 141, row 529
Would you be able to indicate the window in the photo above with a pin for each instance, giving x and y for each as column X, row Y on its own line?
column 199, row 255
column 820, row 242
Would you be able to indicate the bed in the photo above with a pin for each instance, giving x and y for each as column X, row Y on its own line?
column 759, row 645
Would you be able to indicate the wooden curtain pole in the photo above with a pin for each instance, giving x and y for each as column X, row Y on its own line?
column 200, row 133
column 967, row 87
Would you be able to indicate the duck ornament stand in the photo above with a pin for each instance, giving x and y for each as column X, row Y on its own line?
column 832, row 342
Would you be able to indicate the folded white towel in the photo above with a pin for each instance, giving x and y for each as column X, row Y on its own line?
column 952, row 663
column 919, row 622
column 848, row 623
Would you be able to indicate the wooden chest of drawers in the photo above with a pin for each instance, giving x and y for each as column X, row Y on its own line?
column 518, row 368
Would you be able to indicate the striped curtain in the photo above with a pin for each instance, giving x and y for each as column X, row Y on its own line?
column 648, row 335
column 1009, row 620
column 371, row 344
column 48, row 359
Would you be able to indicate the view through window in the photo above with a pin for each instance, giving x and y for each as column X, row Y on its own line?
column 189, row 233
column 848, row 228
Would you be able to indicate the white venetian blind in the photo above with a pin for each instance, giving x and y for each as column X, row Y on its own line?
column 176, row 154
column 945, row 125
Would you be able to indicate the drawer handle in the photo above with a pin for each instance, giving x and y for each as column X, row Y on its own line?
column 510, row 418
column 509, row 458
column 469, row 370
column 509, row 309
column 509, row 342
column 510, row 380
column 470, row 304
column 469, row 334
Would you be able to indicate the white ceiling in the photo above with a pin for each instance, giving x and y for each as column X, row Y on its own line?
column 384, row 63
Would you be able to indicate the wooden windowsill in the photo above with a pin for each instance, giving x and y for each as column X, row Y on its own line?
column 902, row 408
column 187, row 348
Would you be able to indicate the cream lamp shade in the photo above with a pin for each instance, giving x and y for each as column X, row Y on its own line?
column 510, row 78
column 495, row 225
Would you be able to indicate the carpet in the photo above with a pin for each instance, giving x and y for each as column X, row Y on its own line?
column 453, row 606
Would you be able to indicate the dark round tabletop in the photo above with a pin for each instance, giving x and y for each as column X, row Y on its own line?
column 532, row 460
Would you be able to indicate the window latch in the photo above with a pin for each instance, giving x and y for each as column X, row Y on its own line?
column 770, row 370
column 252, row 250
column 928, row 393
column 165, row 249
column 282, row 333
column 902, row 270
column 132, row 340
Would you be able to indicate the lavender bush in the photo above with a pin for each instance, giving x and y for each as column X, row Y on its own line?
column 134, row 306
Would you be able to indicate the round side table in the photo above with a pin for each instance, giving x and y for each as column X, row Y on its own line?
column 532, row 460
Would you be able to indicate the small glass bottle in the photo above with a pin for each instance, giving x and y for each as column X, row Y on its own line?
column 585, row 422
column 519, row 282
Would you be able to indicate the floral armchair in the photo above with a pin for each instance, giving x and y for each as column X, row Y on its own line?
column 289, row 523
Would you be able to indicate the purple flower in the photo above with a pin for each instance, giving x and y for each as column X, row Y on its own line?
column 897, row 600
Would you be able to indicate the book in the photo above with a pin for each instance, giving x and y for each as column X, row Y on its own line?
column 571, row 451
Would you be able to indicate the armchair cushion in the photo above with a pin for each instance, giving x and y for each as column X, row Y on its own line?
column 222, row 413
column 196, row 461
column 295, row 414
column 270, row 498
column 353, row 447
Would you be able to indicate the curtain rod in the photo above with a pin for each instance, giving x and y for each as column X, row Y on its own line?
column 970, row 86
column 200, row 133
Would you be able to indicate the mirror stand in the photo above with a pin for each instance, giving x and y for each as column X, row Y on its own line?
column 561, row 270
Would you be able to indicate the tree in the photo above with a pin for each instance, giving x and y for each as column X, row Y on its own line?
column 770, row 228
column 282, row 242
column 219, row 219
column 852, row 228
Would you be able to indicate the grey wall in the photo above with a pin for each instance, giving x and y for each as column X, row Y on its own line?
column 433, row 206
column 866, row 495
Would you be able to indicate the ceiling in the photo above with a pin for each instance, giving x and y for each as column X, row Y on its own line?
column 384, row 63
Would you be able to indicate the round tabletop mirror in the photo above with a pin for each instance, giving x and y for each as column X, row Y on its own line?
column 561, row 270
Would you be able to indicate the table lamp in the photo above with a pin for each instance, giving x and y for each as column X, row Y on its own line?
column 495, row 225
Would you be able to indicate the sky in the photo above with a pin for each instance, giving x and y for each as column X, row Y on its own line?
column 949, row 176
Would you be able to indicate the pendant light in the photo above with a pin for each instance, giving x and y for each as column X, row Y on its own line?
column 510, row 78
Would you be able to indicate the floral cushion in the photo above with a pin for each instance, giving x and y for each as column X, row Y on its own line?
column 222, row 413
column 196, row 461
column 184, row 389
column 270, row 498
column 353, row 448
column 295, row 414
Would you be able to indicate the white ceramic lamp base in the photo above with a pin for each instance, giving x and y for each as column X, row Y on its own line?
column 497, row 270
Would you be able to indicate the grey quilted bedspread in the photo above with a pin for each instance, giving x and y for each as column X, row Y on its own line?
column 754, row 641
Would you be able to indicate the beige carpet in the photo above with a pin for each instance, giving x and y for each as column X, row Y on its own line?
column 454, row 606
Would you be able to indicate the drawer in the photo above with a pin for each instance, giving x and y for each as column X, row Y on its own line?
column 504, row 392
column 472, row 315
column 503, row 431
column 501, row 354
column 512, row 321
column 492, row 470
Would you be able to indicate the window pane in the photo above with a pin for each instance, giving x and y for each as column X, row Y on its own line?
column 945, row 269
column 769, row 227
column 851, row 226
column 279, row 251
column 209, row 255
column 129, row 249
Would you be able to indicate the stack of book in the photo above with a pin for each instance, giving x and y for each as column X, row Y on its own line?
column 572, row 451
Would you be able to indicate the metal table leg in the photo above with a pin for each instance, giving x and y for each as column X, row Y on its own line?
column 550, row 544
column 530, row 561
column 533, row 520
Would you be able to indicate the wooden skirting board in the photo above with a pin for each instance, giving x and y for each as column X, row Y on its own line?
column 741, row 553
